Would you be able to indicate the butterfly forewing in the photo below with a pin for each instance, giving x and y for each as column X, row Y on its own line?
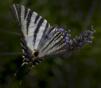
column 38, row 34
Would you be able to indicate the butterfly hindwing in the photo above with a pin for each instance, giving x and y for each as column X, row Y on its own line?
column 56, row 44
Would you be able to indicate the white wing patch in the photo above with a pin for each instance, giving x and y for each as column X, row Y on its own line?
column 40, row 33
column 31, row 30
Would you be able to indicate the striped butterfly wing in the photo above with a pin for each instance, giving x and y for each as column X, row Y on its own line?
column 38, row 35
column 57, row 43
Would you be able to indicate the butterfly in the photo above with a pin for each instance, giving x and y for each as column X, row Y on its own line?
column 39, row 39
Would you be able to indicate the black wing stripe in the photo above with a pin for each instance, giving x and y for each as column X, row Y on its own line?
column 53, row 39
column 50, row 41
column 29, row 19
column 44, row 36
column 26, row 11
column 45, row 31
column 24, row 47
column 58, row 39
column 37, row 29
column 36, row 19
column 50, row 30
column 56, row 46
column 17, row 10
column 56, row 49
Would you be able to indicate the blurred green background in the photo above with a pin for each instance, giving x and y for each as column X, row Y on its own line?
column 81, row 70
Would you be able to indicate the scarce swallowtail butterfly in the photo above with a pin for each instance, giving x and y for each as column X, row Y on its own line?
column 39, row 39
